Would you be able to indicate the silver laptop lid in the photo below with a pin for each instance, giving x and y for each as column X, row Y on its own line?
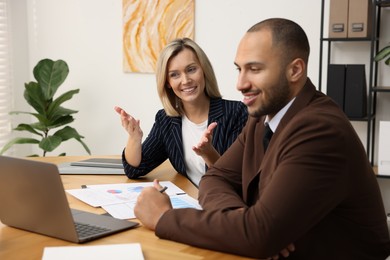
column 34, row 189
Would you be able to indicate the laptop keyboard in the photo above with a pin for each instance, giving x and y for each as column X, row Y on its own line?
column 85, row 230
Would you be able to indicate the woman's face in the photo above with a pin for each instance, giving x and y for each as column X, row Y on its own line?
column 185, row 77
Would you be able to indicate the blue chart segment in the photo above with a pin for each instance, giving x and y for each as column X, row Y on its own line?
column 137, row 189
column 178, row 203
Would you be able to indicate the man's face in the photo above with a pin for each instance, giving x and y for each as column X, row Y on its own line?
column 262, row 74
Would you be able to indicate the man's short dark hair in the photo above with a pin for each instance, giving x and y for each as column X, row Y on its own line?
column 288, row 36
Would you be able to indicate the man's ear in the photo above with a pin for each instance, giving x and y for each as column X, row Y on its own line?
column 296, row 70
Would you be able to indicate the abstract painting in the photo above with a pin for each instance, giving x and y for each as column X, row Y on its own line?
column 148, row 25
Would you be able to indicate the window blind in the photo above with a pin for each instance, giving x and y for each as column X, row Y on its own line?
column 5, row 76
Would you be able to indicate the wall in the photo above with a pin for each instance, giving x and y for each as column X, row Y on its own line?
column 88, row 36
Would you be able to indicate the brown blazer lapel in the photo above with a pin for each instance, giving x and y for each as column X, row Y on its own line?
column 302, row 100
column 254, row 155
column 267, row 162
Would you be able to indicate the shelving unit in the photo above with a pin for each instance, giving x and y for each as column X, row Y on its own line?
column 372, row 86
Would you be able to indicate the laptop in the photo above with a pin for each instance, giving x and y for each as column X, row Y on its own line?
column 100, row 162
column 32, row 198
column 95, row 166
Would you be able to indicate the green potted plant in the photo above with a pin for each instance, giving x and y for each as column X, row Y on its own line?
column 384, row 53
column 49, row 113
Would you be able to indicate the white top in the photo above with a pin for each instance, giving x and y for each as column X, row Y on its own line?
column 195, row 165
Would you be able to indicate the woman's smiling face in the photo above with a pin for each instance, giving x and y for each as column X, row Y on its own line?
column 185, row 76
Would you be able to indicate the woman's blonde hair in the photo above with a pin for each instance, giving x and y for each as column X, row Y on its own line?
column 170, row 102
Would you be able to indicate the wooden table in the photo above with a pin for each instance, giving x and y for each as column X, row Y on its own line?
column 19, row 244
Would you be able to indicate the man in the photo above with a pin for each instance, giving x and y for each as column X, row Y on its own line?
column 313, row 187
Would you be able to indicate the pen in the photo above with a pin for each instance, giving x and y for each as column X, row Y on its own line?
column 163, row 189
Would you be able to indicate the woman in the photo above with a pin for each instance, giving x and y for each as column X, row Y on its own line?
column 196, row 125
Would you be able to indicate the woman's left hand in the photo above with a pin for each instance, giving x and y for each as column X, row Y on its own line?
column 205, row 146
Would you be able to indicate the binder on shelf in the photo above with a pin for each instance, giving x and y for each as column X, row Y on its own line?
column 338, row 19
column 355, row 102
column 359, row 18
column 336, row 83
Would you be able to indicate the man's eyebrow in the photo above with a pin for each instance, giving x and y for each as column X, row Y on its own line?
column 254, row 63
column 251, row 63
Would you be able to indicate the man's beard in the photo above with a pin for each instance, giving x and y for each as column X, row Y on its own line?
column 278, row 98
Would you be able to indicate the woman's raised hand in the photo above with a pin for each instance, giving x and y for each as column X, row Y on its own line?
column 130, row 124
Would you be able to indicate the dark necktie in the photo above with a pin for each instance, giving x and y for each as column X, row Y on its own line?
column 267, row 136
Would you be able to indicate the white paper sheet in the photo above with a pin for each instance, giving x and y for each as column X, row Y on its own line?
column 102, row 252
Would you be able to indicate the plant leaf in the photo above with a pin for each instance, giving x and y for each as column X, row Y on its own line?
column 84, row 145
column 34, row 96
column 69, row 132
column 44, row 122
column 387, row 62
column 61, row 99
column 41, row 118
column 20, row 112
column 50, row 143
column 60, row 112
column 50, row 75
column 383, row 53
column 26, row 127
column 39, row 126
column 63, row 120
column 18, row 140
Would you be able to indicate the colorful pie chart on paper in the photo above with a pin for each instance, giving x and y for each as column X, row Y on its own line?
column 114, row 191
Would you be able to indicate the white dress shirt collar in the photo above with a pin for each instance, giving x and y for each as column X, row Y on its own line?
column 274, row 122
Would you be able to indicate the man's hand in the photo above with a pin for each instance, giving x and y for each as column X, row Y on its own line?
column 151, row 205
column 285, row 252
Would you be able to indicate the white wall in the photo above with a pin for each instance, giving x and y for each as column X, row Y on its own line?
column 87, row 34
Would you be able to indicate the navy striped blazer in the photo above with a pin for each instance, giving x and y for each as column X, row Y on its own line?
column 165, row 138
